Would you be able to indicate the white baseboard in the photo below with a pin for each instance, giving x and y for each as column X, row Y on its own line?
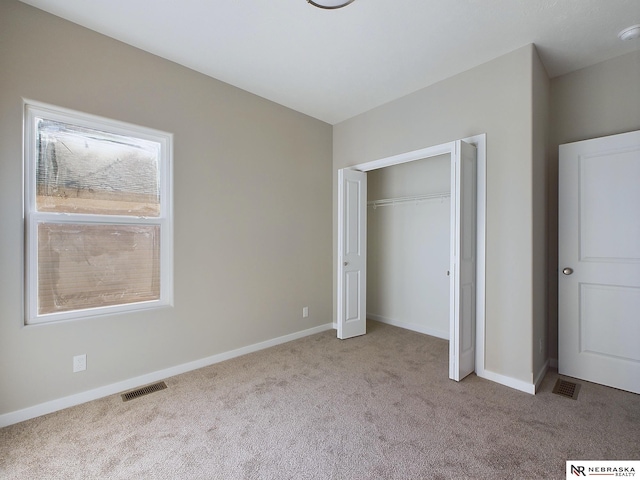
column 83, row 397
column 541, row 374
column 409, row 326
column 507, row 381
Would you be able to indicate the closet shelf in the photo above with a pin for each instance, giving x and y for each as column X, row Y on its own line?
column 386, row 202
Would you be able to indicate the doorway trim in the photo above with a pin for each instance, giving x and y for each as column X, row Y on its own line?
column 480, row 142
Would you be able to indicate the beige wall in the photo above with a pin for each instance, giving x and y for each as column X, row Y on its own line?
column 539, row 173
column 597, row 101
column 494, row 98
column 252, row 202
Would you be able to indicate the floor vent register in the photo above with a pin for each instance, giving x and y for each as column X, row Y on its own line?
column 566, row 389
column 139, row 392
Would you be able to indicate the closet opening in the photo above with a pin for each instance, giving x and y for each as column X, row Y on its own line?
column 424, row 217
column 408, row 245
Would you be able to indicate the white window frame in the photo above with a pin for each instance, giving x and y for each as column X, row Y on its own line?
column 32, row 217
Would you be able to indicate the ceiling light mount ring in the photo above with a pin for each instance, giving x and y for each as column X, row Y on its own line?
column 630, row 33
column 330, row 4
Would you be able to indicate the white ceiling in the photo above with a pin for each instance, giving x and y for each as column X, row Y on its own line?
column 335, row 64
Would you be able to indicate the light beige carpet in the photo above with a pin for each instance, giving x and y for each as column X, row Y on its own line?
column 377, row 406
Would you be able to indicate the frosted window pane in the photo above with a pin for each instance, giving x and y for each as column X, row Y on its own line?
column 83, row 170
column 88, row 266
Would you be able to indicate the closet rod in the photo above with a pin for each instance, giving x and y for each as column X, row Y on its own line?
column 385, row 202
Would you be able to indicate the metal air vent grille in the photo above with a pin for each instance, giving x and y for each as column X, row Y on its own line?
column 566, row 389
column 139, row 392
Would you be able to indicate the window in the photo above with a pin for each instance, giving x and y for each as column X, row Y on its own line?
column 98, row 215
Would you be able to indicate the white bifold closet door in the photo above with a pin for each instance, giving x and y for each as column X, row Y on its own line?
column 352, row 281
column 462, row 338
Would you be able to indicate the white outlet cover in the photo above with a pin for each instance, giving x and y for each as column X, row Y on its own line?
column 79, row 363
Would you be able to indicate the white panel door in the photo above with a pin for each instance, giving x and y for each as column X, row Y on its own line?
column 599, row 260
column 463, row 261
column 352, row 253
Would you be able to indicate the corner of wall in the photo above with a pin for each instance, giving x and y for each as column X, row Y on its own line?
column 606, row 99
column 542, row 253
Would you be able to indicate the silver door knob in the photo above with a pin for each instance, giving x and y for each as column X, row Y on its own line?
column 567, row 271
column 346, row 263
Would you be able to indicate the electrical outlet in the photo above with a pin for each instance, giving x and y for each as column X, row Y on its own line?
column 305, row 312
column 79, row 363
